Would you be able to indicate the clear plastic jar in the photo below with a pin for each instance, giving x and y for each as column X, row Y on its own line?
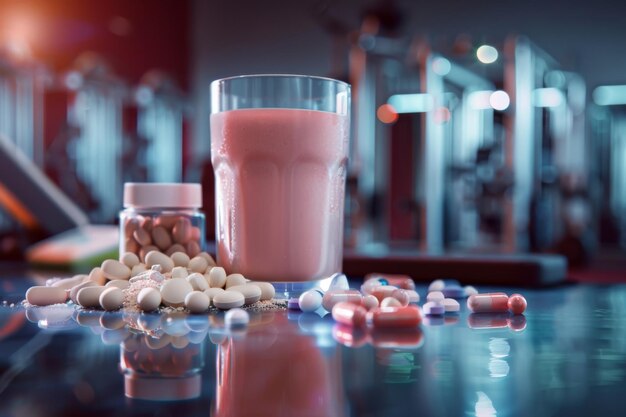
column 162, row 216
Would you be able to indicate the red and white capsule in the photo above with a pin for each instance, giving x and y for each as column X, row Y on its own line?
column 349, row 314
column 394, row 317
column 495, row 302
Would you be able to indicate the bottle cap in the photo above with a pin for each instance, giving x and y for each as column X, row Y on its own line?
column 147, row 195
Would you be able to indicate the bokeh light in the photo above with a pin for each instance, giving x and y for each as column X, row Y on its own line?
column 487, row 54
column 387, row 114
column 499, row 100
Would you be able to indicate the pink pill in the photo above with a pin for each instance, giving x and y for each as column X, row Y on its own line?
column 335, row 296
column 488, row 303
column 349, row 314
column 517, row 304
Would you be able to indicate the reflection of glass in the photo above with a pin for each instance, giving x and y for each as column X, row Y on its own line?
column 279, row 148
column 160, row 371
column 265, row 375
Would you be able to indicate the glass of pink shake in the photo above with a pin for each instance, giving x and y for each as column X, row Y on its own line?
column 279, row 148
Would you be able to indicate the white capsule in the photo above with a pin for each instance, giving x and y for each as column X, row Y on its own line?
column 44, row 296
column 198, row 282
column 235, row 279
column 310, row 300
column 436, row 285
column 149, row 299
column 236, row 318
column 89, row 297
column 174, row 291
column 197, row 302
column 111, row 299
column 74, row 291
column 436, row 296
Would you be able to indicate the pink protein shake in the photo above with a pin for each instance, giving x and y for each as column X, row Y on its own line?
column 280, row 181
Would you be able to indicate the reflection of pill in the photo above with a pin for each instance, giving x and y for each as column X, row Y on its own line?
column 433, row 308
column 394, row 317
column 487, row 320
column 43, row 296
column 236, row 317
column 488, row 303
column 333, row 297
column 517, row 322
column 350, row 314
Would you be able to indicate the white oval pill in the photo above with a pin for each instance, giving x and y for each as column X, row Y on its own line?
column 89, row 297
column 174, row 291
column 113, row 269
column 236, row 318
column 129, row 259
column 122, row 284
column 212, row 292
column 159, row 258
column 180, row 259
column 451, row 305
column 209, row 258
column 197, row 302
column 45, row 296
column 414, row 297
column 111, row 299
column 138, row 269
column 469, row 290
column 149, row 299
column 74, row 291
column 180, row 272
column 198, row 264
column 436, row 296
column 310, row 300
column 390, row 302
column 436, row 285
column 228, row 299
column 198, row 282
column 235, row 279
column 267, row 290
column 251, row 293
column 96, row 275
column 217, row 277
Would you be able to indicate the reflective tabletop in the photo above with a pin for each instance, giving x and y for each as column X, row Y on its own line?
column 565, row 356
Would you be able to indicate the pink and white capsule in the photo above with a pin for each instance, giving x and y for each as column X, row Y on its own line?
column 495, row 302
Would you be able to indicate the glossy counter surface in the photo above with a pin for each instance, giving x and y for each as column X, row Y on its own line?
column 566, row 356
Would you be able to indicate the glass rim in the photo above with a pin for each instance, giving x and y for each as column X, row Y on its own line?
column 245, row 76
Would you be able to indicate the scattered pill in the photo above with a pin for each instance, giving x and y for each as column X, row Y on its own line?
column 369, row 302
column 197, row 302
column 96, row 275
column 149, row 299
column 155, row 257
column 138, row 269
column 198, row 282
column 383, row 292
column 235, row 279
column 433, row 308
column 333, row 297
column 390, row 302
column 113, row 269
column 180, row 259
column 129, row 259
column 394, row 317
column 338, row 281
column 89, row 297
column 469, row 290
column 371, row 284
column 436, row 296
column 236, row 317
column 68, row 283
column 349, row 314
column 179, row 272
column 228, row 299
column 217, row 277
column 198, row 264
column 174, row 291
column 310, row 300
column 488, row 303
column 74, row 290
column 517, row 304
column 414, row 297
column 122, row 284
column 111, row 299
column 402, row 296
column 436, row 285
column 451, row 305
column 176, row 247
column 267, row 290
column 212, row 292
column 453, row 291
column 208, row 257
column 44, row 296
column 404, row 282
column 251, row 293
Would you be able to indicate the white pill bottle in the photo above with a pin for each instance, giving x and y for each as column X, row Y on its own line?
column 165, row 217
